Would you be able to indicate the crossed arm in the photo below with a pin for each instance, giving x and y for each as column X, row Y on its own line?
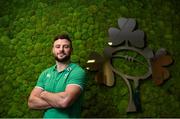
column 40, row 99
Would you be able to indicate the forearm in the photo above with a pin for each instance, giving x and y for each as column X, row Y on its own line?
column 35, row 101
column 38, row 103
column 58, row 100
column 62, row 99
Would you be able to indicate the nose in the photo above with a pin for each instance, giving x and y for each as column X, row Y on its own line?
column 61, row 49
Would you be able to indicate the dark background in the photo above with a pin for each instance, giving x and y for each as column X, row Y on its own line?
column 27, row 28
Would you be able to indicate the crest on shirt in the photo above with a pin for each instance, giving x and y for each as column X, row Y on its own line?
column 48, row 75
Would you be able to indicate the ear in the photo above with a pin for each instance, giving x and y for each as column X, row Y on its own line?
column 71, row 49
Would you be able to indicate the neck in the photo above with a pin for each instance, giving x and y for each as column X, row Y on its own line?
column 62, row 65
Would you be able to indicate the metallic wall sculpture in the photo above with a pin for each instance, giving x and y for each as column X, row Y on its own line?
column 128, row 38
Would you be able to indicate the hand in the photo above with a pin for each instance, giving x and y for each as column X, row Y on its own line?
column 43, row 94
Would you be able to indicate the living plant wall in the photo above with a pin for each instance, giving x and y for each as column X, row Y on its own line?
column 27, row 28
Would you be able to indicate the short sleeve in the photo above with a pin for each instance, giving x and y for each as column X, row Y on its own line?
column 40, row 82
column 77, row 77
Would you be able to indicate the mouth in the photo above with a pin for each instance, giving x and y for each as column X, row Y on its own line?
column 61, row 55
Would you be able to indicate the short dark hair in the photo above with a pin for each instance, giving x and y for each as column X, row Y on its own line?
column 63, row 36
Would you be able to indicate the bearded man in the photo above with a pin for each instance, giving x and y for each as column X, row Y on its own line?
column 59, row 88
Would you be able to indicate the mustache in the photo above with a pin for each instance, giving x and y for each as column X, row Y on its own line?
column 61, row 57
column 66, row 58
column 61, row 53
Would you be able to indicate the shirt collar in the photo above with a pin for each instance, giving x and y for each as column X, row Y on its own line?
column 68, row 68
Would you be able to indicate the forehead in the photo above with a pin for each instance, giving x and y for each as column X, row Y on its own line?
column 61, row 42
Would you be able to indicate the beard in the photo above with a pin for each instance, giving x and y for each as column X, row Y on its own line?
column 62, row 57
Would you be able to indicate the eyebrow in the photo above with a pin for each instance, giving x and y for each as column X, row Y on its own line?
column 62, row 45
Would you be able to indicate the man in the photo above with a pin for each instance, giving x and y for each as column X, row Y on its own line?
column 59, row 88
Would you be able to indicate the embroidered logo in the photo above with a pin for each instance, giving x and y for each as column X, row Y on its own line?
column 65, row 76
column 48, row 75
column 68, row 69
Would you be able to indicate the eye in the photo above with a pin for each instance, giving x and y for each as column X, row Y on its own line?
column 66, row 46
column 57, row 46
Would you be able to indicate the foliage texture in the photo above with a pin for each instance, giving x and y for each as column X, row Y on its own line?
column 27, row 28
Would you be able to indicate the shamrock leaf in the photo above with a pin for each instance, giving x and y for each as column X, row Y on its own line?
column 148, row 53
column 159, row 71
column 127, row 24
column 126, row 34
column 104, row 73
column 108, row 52
column 94, row 62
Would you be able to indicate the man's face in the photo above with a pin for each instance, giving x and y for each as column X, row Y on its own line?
column 62, row 50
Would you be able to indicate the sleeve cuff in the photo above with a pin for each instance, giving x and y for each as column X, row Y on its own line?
column 39, row 87
column 77, row 85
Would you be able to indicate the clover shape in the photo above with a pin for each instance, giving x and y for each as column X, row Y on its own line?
column 128, row 38
column 159, row 63
column 126, row 34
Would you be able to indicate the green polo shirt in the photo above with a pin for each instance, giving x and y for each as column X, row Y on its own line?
column 53, row 81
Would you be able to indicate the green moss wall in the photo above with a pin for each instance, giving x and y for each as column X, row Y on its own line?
column 27, row 28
